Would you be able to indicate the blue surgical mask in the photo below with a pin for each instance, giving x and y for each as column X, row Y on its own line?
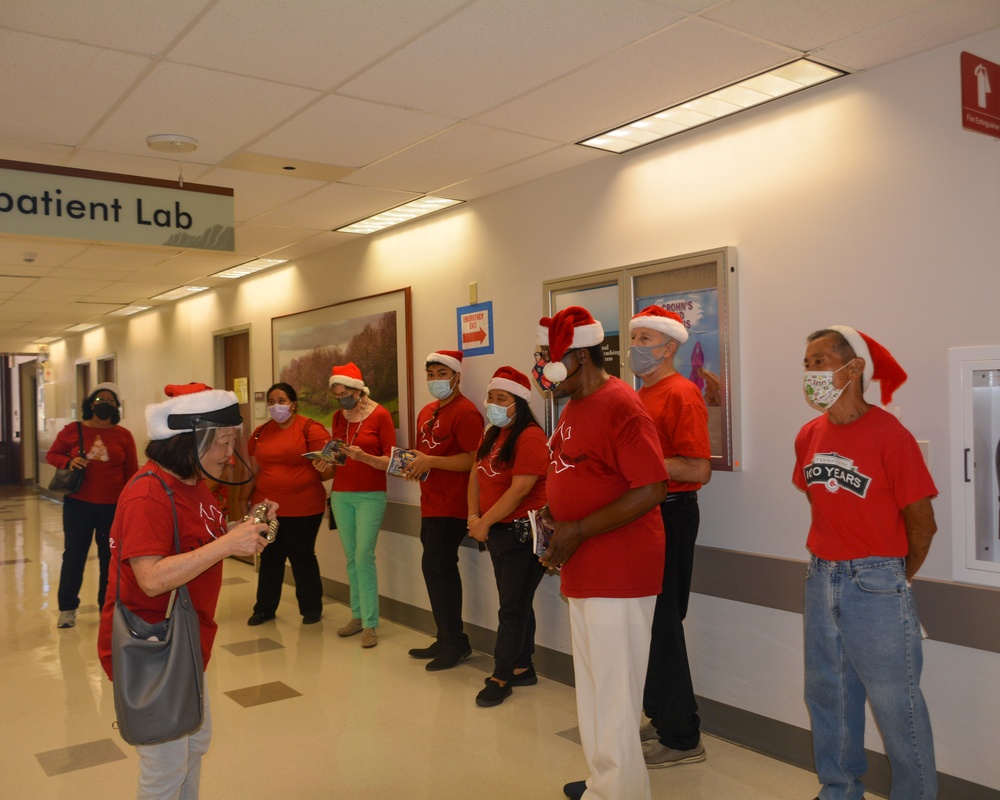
column 497, row 415
column 641, row 359
column 440, row 389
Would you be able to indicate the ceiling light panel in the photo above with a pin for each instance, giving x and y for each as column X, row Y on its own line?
column 400, row 214
column 793, row 77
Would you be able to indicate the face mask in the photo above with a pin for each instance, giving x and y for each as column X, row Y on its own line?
column 819, row 388
column 541, row 381
column 347, row 402
column 641, row 359
column 104, row 411
column 439, row 389
column 497, row 415
column 279, row 413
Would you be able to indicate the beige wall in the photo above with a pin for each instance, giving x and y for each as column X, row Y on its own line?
column 862, row 202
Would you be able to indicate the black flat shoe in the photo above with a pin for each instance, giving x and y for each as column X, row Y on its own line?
column 259, row 619
column 526, row 678
column 575, row 789
column 448, row 659
column 493, row 695
column 433, row 651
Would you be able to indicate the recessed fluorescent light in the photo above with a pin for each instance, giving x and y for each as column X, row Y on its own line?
column 46, row 340
column 179, row 292
column 129, row 311
column 788, row 79
column 249, row 268
column 83, row 326
column 399, row 214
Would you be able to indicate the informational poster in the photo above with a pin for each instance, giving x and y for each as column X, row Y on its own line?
column 700, row 311
column 475, row 329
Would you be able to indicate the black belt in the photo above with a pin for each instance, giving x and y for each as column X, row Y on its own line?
column 682, row 497
column 522, row 527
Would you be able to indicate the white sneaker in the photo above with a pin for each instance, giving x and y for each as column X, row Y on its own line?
column 67, row 619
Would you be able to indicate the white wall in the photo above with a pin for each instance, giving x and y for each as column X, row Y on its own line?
column 862, row 202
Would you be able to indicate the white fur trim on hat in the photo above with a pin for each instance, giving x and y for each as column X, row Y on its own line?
column 350, row 383
column 108, row 386
column 665, row 325
column 195, row 403
column 507, row 385
column 441, row 358
column 860, row 349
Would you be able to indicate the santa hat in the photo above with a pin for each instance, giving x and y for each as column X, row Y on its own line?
column 879, row 363
column 569, row 329
column 190, row 405
column 508, row 379
column 348, row 375
column 452, row 359
column 107, row 386
column 659, row 319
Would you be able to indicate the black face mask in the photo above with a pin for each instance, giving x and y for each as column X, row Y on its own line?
column 105, row 411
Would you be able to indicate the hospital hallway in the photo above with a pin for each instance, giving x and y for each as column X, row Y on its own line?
column 297, row 712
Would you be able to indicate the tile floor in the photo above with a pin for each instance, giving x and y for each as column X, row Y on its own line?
column 298, row 712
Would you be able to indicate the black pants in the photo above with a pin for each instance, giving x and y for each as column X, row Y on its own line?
column 296, row 542
column 441, row 537
column 84, row 522
column 668, row 698
column 518, row 572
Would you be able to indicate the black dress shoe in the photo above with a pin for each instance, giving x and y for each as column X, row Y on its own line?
column 311, row 619
column 575, row 789
column 494, row 694
column 259, row 619
column 427, row 652
column 449, row 658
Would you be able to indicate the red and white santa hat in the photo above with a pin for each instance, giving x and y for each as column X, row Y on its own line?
column 192, row 405
column 569, row 329
column 348, row 375
column 879, row 363
column 452, row 359
column 659, row 319
column 508, row 379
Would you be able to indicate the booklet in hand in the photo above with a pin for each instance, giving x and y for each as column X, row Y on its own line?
column 330, row 454
column 541, row 533
column 399, row 459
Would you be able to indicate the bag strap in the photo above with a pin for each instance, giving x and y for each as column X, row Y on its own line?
column 177, row 536
column 79, row 431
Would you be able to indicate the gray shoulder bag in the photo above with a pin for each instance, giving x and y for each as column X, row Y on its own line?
column 158, row 671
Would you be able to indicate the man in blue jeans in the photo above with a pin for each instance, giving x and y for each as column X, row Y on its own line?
column 872, row 523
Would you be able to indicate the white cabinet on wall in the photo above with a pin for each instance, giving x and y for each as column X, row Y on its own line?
column 974, row 381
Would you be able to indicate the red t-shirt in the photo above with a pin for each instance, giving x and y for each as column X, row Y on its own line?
column 859, row 477
column 283, row 475
column 681, row 417
column 603, row 445
column 531, row 457
column 111, row 460
column 447, row 431
column 376, row 436
column 144, row 526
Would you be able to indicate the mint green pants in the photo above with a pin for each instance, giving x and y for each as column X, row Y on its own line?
column 359, row 518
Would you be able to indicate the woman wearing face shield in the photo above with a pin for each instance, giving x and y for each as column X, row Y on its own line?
column 282, row 474
column 507, row 482
column 367, row 434
column 195, row 434
column 110, row 460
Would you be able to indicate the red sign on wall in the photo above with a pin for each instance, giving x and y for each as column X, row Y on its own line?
column 980, row 95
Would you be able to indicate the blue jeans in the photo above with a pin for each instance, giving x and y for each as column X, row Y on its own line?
column 862, row 640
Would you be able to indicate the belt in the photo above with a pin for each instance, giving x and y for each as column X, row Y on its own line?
column 682, row 497
column 522, row 527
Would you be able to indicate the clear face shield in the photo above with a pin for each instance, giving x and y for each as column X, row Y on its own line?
column 222, row 453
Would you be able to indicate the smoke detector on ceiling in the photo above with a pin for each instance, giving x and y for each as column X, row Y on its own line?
column 171, row 143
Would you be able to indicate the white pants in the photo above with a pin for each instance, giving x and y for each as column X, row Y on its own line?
column 172, row 770
column 610, row 654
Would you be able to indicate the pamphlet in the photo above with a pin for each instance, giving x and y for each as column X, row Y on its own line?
column 399, row 459
column 541, row 533
column 330, row 454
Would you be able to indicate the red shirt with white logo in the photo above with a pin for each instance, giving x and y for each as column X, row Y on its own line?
column 447, row 430
column 531, row 457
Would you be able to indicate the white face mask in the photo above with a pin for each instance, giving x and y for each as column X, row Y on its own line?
column 819, row 389
column 497, row 415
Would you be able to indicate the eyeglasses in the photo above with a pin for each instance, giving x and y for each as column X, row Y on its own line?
column 98, row 400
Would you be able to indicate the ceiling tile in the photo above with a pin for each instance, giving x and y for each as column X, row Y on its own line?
column 682, row 62
column 54, row 91
column 341, row 130
column 315, row 244
column 175, row 98
column 493, row 51
column 335, row 205
column 13, row 284
column 254, row 193
column 48, row 253
column 255, row 239
column 118, row 259
column 457, row 154
column 66, row 288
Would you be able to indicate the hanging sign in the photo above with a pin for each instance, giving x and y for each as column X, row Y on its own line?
column 980, row 95
column 475, row 329
column 83, row 205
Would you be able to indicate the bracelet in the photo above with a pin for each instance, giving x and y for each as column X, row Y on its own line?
column 472, row 517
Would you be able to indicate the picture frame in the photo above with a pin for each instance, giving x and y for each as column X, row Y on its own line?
column 375, row 332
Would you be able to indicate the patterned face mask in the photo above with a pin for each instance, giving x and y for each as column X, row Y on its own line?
column 819, row 389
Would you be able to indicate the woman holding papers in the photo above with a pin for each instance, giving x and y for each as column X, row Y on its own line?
column 509, row 481
column 358, row 500
column 283, row 475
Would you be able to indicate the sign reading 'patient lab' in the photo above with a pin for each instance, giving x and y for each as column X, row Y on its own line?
column 40, row 200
